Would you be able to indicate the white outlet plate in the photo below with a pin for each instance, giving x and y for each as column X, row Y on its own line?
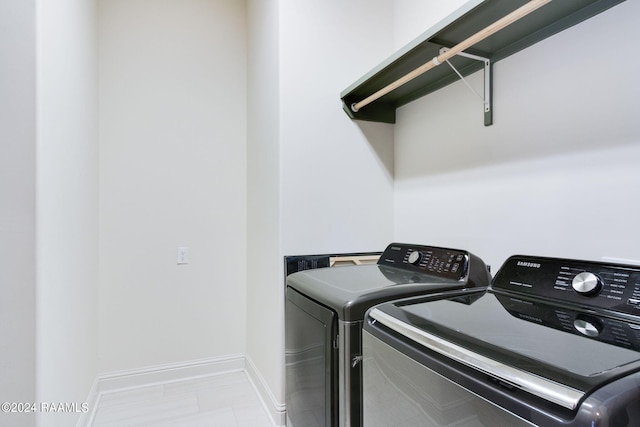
column 183, row 255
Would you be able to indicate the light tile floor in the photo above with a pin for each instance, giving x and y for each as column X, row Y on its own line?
column 220, row 400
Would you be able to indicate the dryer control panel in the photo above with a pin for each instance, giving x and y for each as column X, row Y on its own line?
column 431, row 260
column 587, row 284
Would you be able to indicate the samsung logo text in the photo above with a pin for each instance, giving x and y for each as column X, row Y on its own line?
column 528, row 264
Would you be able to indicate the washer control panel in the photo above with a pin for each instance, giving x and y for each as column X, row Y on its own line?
column 435, row 261
column 589, row 284
column 606, row 329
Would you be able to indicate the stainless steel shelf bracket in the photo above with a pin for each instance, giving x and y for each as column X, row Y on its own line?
column 486, row 97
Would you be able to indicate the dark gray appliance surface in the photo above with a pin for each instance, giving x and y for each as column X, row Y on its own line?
column 324, row 312
column 311, row 360
column 351, row 290
column 552, row 342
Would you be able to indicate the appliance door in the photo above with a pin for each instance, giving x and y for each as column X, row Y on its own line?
column 489, row 359
column 404, row 390
column 311, row 360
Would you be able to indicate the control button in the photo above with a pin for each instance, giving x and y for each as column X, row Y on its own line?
column 633, row 301
column 589, row 326
column 586, row 284
column 415, row 257
column 455, row 267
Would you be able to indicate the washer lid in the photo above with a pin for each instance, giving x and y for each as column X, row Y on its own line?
column 351, row 291
column 551, row 351
column 403, row 270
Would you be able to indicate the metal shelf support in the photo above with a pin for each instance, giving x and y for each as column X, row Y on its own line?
column 486, row 97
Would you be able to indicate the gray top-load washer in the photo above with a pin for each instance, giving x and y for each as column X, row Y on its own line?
column 324, row 313
column 552, row 342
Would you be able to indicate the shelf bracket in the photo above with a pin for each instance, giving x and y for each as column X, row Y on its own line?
column 486, row 97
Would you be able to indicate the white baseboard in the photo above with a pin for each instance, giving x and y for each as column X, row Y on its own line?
column 275, row 409
column 163, row 374
column 86, row 418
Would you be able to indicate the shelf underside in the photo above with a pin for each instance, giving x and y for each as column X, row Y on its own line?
column 540, row 24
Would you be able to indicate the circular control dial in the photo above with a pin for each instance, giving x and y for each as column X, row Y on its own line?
column 586, row 284
column 588, row 326
column 415, row 257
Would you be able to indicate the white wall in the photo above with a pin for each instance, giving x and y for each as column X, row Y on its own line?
column 67, row 204
column 172, row 85
column 17, row 210
column 557, row 172
column 48, row 129
column 414, row 17
column 337, row 175
column 264, row 266
column 318, row 182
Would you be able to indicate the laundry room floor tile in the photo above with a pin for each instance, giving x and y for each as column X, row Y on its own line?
column 219, row 400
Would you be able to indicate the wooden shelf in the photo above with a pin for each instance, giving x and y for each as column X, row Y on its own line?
column 470, row 18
